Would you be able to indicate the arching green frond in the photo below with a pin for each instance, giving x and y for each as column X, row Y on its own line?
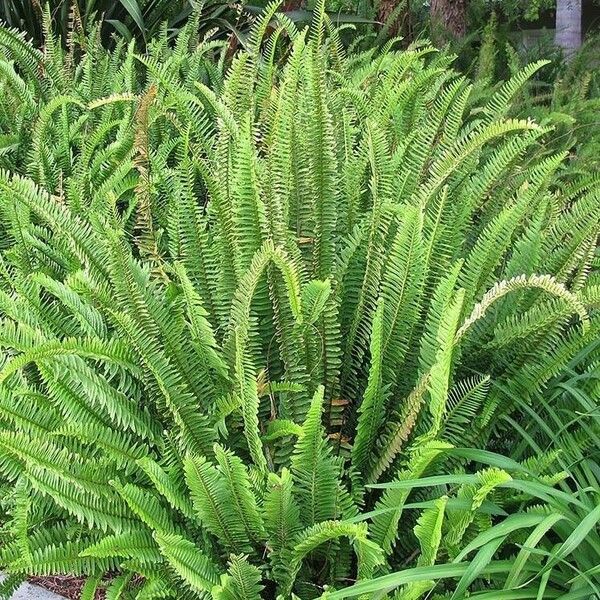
column 201, row 328
column 281, row 516
column 397, row 432
column 213, row 500
column 187, row 561
column 499, row 103
column 402, row 289
column 242, row 581
column 170, row 487
column 371, row 409
column 464, row 403
column 544, row 282
column 368, row 553
column 239, row 487
column 146, row 506
column 314, row 298
column 441, row 370
column 475, row 495
column 138, row 544
column 315, row 471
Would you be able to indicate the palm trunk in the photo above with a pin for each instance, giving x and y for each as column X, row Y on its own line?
column 449, row 18
column 568, row 25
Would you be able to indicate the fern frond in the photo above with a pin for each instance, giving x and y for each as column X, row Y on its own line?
column 385, row 523
column 242, row 581
column 315, row 471
column 212, row 498
column 187, row 561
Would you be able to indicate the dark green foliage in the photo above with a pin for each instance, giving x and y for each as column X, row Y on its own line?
column 250, row 321
column 141, row 20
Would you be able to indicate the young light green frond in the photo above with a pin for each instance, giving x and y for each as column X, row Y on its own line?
column 122, row 97
column 440, row 375
column 428, row 531
column 282, row 428
column 314, row 298
column 460, row 520
column 438, row 307
column 385, row 523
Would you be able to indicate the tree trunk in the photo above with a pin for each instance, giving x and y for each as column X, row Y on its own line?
column 290, row 5
column 568, row 26
column 394, row 15
column 448, row 18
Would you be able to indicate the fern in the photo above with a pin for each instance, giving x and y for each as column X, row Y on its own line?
column 255, row 307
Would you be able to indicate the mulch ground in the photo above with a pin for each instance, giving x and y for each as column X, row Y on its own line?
column 64, row 585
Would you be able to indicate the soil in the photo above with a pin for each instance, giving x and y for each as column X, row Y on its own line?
column 68, row 586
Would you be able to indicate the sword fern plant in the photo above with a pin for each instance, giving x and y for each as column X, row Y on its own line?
column 235, row 307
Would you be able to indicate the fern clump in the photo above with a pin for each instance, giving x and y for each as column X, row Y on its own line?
column 236, row 306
